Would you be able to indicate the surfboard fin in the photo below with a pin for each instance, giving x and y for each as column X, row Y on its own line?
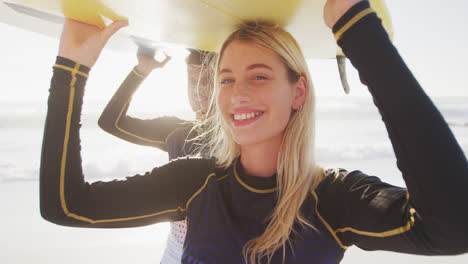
column 341, row 61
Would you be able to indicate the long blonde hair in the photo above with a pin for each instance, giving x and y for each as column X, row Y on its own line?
column 297, row 172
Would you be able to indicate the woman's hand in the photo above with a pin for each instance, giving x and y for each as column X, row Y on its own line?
column 83, row 43
column 147, row 63
column 335, row 9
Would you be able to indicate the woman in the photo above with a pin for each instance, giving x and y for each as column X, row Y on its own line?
column 263, row 199
column 170, row 134
column 165, row 133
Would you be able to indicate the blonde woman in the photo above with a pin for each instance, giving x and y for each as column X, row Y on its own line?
column 263, row 199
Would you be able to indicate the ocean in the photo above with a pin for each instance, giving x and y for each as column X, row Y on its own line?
column 350, row 135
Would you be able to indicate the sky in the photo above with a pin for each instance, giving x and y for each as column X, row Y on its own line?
column 430, row 35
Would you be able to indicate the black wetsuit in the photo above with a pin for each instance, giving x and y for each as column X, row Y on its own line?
column 169, row 134
column 226, row 208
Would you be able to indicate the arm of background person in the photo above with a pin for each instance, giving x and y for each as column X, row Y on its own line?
column 147, row 132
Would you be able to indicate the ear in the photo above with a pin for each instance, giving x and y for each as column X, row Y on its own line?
column 301, row 89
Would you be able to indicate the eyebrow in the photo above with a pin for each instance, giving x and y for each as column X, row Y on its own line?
column 259, row 65
column 224, row 70
column 250, row 67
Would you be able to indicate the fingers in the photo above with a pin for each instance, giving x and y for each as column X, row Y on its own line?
column 335, row 9
column 113, row 28
column 166, row 60
column 83, row 42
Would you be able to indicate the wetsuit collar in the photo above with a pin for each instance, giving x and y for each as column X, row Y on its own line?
column 254, row 183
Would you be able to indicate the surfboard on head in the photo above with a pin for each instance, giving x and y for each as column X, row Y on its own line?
column 198, row 24
column 195, row 24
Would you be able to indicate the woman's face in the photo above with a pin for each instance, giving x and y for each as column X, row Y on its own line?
column 255, row 96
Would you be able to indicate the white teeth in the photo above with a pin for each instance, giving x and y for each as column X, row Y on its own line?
column 244, row 116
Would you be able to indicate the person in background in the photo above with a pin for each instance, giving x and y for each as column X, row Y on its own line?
column 262, row 198
column 169, row 134
column 175, row 136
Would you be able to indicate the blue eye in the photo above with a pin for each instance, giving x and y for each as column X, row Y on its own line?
column 227, row 81
column 260, row 77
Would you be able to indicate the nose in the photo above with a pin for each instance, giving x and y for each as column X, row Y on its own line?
column 241, row 93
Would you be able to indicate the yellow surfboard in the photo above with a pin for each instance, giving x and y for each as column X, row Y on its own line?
column 200, row 24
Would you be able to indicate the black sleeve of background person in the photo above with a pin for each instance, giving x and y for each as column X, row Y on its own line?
column 146, row 132
column 182, row 142
column 433, row 165
column 65, row 197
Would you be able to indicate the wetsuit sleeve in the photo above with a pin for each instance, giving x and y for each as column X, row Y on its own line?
column 147, row 132
column 67, row 199
column 431, row 216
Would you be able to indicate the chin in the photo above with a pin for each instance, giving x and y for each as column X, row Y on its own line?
column 245, row 140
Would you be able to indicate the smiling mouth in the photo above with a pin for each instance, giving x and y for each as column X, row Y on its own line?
column 246, row 116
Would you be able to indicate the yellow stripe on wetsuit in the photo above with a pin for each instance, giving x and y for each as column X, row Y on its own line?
column 392, row 232
column 74, row 72
column 247, row 186
column 116, row 123
column 353, row 21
